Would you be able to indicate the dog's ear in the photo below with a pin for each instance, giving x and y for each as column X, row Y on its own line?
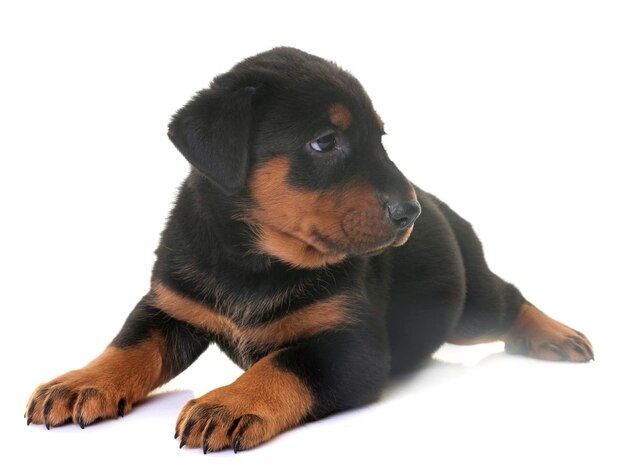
column 212, row 131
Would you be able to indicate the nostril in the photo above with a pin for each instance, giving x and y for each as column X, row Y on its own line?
column 403, row 214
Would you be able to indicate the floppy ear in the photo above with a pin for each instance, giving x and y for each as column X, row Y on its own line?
column 212, row 131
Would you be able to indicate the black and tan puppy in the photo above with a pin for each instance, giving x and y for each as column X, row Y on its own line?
column 294, row 246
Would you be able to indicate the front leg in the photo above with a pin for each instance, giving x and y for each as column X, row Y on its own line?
column 331, row 372
column 150, row 349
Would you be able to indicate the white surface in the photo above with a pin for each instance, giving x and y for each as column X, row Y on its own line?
column 514, row 115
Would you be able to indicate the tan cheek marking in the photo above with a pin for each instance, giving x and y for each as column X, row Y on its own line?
column 293, row 250
column 289, row 221
column 340, row 116
column 314, row 319
column 285, row 218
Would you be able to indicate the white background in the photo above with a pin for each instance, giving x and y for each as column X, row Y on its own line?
column 512, row 112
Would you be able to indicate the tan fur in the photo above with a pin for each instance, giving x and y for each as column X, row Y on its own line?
column 308, row 321
column 293, row 250
column 310, row 228
column 95, row 391
column 265, row 399
column 404, row 238
column 379, row 121
column 340, row 116
column 537, row 335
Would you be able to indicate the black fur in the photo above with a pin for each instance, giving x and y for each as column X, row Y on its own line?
column 414, row 296
column 184, row 343
column 212, row 132
column 403, row 301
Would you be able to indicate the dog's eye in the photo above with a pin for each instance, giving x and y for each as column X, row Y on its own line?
column 325, row 143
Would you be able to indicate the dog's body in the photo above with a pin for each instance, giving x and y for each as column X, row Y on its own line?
column 290, row 246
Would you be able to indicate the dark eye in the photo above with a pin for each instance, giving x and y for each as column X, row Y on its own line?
column 326, row 143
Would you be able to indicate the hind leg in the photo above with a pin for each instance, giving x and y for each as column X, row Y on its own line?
column 505, row 315
column 496, row 310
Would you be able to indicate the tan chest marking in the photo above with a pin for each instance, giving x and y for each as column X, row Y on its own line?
column 308, row 321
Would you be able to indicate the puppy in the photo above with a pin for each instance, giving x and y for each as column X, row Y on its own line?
column 295, row 246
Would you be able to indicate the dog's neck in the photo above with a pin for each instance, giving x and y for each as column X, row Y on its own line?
column 207, row 255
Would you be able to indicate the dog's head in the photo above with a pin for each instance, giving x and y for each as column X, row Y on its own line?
column 297, row 140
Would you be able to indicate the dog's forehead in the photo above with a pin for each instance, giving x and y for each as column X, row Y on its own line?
column 322, row 99
column 301, row 82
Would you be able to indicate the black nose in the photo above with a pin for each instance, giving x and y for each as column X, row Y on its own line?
column 403, row 214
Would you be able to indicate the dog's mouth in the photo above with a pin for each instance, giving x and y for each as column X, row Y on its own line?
column 315, row 247
column 363, row 247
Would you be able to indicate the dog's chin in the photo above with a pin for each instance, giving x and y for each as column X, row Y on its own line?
column 365, row 250
column 374, row 250
column 403, row 237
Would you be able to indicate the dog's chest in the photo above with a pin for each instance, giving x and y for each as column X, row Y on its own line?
column 247, row 330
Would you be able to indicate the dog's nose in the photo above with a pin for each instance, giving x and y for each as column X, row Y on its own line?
column 403, row 214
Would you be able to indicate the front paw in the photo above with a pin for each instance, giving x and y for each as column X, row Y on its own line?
column 80, row 396
column 222, row 419
column 261, row 403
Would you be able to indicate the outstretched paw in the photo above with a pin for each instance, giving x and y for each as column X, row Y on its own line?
column 77, row 397
column 260, row 404
column 537, row 335
column 216, row 427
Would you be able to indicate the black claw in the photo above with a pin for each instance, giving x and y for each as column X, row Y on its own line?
column 31, row 411
column 176, row 435
column 121, row 408
column 206, row 436
column 186, row 432
column 81, row 422
column 237, row 445
column 46, row 412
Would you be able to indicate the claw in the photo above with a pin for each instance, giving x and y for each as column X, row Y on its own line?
column 81, row 422
column 46, row 412
column 121, row 408
column 581, row 350
column 31, row 411
column 237, row 445
column 176, row 435
column 206, row 436
column 186, row 432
